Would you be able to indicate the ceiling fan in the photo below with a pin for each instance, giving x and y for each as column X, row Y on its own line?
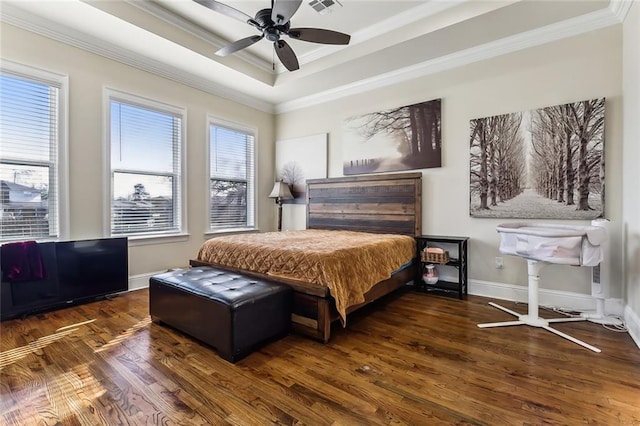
column 273, row 23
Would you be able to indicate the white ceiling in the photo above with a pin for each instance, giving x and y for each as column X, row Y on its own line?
column 351, row 18
column 390, row 40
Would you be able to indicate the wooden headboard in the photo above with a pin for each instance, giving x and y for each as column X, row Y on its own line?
column 374, row 203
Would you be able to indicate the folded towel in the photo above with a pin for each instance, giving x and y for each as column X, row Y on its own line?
column 435, row 250
column 22, row 262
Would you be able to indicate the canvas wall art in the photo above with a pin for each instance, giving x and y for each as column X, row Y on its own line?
column 300, row 159
column 546, row 163
column 404, row 138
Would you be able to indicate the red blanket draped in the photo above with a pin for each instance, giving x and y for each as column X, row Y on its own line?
column 22, row 261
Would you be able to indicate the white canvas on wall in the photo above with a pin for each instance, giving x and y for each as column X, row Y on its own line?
column 300, row 159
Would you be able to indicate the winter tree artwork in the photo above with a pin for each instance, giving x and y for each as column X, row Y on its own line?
column 404, row 138
column 300, row 159
column 546, row 163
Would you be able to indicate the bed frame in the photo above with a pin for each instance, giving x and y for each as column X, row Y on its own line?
column 389, row 204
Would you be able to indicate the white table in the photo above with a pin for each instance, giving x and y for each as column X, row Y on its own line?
column 542, row 244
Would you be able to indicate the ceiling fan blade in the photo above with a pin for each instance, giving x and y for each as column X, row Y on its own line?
column 225, row 10
column 238, row 45
column 318, row 35
column 286, row 55
column 283, row 10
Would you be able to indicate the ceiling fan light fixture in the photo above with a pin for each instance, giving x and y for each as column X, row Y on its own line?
column 271, row 34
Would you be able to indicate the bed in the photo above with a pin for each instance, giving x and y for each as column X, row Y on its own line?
column 374, row 204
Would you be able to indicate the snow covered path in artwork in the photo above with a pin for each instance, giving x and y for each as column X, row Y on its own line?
column 530, row 205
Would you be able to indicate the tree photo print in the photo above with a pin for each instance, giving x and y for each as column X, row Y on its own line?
column 404, row 138
column 546, row 163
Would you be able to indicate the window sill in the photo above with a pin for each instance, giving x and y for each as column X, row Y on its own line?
column 231, row 231
column 145, row 240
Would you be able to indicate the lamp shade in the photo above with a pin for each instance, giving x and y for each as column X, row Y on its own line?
column 281, row 191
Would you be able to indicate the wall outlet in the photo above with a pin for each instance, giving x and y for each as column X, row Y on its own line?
column 499, row 263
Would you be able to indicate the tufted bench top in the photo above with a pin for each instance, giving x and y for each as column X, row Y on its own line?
column 228, row 288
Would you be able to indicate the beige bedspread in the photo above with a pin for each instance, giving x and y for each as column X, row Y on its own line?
column 348, row 263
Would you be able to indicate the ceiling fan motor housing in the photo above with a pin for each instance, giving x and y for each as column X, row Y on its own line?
column 263, row 17
column 270, row 30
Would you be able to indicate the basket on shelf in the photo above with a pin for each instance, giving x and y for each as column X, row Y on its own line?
column 434, row 255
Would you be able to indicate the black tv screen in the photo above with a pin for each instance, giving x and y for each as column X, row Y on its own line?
column 75, row 272
column 92, row 268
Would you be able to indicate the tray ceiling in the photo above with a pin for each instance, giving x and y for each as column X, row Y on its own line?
column 390, row 40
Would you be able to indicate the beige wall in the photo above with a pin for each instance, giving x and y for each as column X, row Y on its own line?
column 631, row 164
column 88, row 75
column 580, row 68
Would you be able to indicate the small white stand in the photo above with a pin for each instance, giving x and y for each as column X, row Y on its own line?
column 532, row 318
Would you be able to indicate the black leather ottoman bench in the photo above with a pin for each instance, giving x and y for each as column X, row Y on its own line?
column 233, row 313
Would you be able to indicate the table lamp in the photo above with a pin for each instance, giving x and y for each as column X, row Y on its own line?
column 280, row 192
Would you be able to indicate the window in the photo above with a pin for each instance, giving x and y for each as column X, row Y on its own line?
column 32, row 144
column 231, row 177
column 145, row 140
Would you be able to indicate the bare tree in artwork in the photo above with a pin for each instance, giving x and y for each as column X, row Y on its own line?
column 582, row 126
column 589, row 128
column 556, row 170
column 497, row 160
column 414, row 130
column 293, row 174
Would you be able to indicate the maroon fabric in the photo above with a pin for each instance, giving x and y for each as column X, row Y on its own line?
column 22, row 262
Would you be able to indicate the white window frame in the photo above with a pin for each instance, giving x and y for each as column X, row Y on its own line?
column 252, row 203
column 145, row 238
column 61, row 81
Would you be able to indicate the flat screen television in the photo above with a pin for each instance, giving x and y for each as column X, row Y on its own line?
column 92, row 268
column 76, row 272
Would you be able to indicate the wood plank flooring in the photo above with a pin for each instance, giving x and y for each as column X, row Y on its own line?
column 411, row 358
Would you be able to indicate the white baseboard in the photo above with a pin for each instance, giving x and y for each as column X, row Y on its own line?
column 555, row 298
column 560, row 299
column 137, row 282
column 632, row 320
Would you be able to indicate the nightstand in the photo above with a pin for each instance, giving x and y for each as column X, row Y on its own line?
column 453, row 274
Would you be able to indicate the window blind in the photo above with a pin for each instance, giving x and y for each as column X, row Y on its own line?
column 29, row 126
column 145, row 165
column 231, row 178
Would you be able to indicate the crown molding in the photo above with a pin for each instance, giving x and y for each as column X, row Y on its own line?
column 426, row 10
column 614, row 14
column 568, row 28
column 27, row 21
column 197, row 31
column 620, row 8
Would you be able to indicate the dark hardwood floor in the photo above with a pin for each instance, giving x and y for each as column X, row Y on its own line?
column 410, row 359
